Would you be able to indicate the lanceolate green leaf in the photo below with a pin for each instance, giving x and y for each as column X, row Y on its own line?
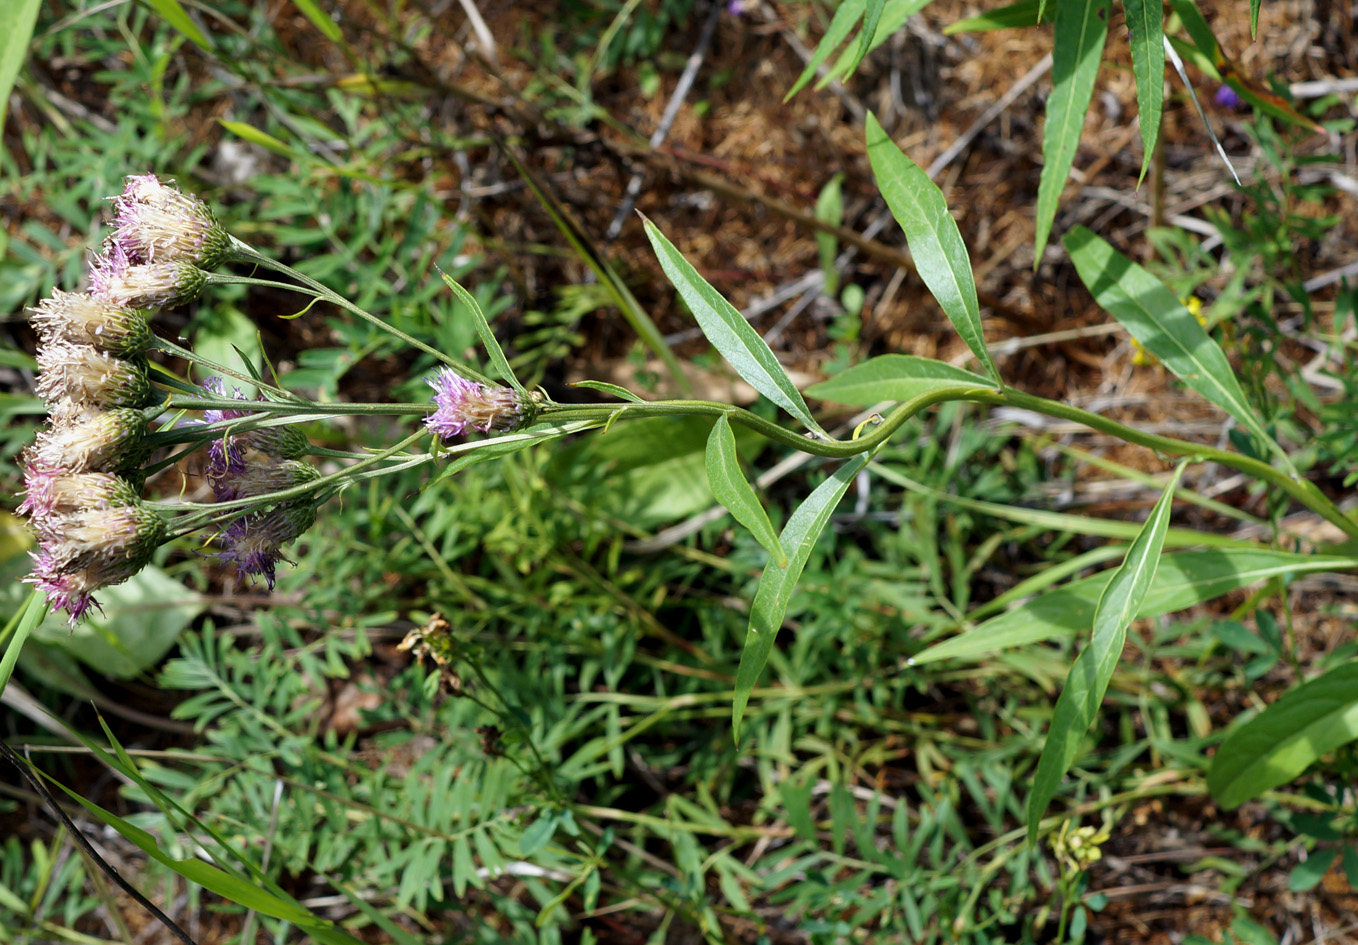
column 1023, row 13
column 935, row 242
column 733, row 490
column 1254, row 18
column 872, row 16
column 14, row 46
column 1088, row 679
column 1145, row 24
column 849, row 13
column 493, row 349
column 1282, row 741
column 729, row 332
column 175, row 15
column 319, row 19
column 1185, row 578
column 1157, row 319
column 893, row 377
column 1081, row 26
column 777, row 584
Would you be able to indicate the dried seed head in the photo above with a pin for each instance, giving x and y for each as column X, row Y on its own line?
column 158, row 224
column 83, row 377
column 461, row 405
column 81, row 319
column 97, row 441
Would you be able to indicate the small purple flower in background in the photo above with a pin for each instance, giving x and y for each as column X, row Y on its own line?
column 158, row 224
column 461, row 405
column 1227, row 97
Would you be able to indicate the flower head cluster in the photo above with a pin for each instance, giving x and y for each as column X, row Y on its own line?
column 257, row 464
column 79, row 474
column 461, row 405
column 161, row 246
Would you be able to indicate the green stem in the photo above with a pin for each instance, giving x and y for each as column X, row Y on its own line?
column 1299, row 489
column 243, row 252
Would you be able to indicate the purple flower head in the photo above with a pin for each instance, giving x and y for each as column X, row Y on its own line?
column 253, row 542
column 80, row 319
column 155, row 223
column 85, row 377
column 90, row 549
column 116, row 278
column 461, row 405
column 1227, row 97
column 216, row 387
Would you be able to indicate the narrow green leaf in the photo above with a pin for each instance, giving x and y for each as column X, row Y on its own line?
column 1254, row 19
column 830, row 209
column 872, row 16
column 733, row 490
column 591, row 255
column 1185, row 578
column 1198, row 29
column 935, row 242
column 493, row 349
column 261, row 138
column 1156, row 318
column 777, row 584
column 174, row 14
column 1287, row 737
column 894, row 15
column 16, row 633
column 14, row 46
column 1088, row 679
column 729, row 332
column 232, row 888
column 319, row 19
column 1021, row 14
column 894, row 377
column 849, row 13
column 1146, row 29
column 1081, row 26
column 622, row 393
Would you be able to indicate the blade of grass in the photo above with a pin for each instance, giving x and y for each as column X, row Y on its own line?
column 22, row 15
column 584, row 247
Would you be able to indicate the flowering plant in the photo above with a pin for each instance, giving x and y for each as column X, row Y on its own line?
column 117, row 417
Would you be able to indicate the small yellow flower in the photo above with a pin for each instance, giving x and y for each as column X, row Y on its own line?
column 1078, row 848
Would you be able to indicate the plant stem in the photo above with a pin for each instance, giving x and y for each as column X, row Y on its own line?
column 243, row 252
column 1301, row 490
